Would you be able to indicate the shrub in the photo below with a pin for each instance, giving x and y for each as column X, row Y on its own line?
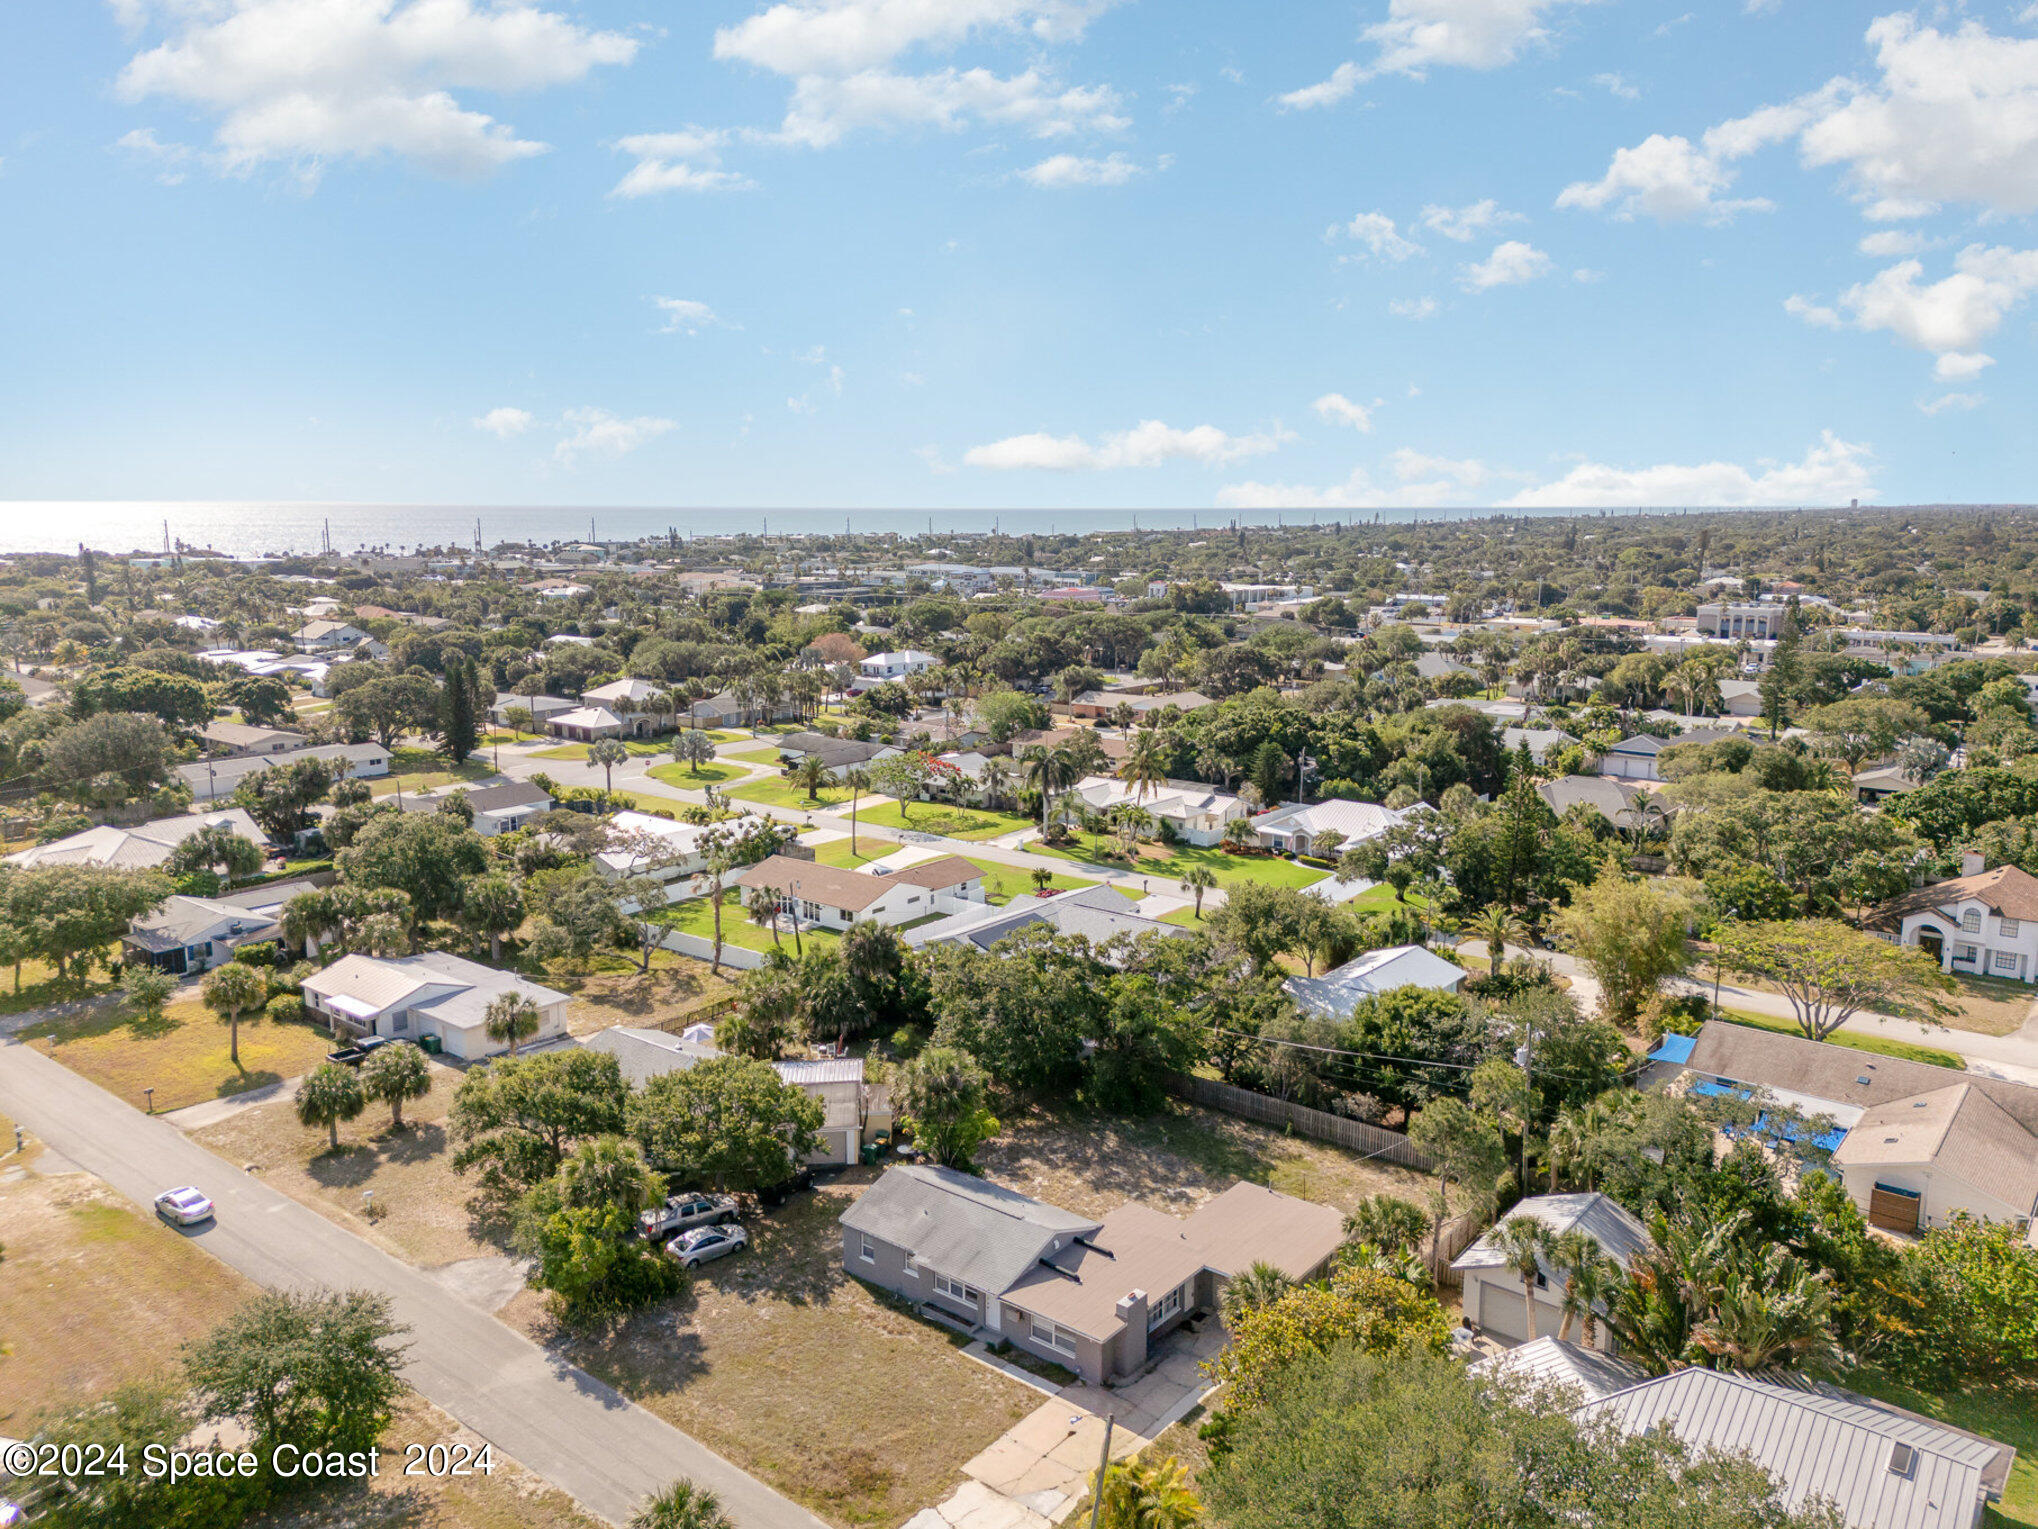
column 285, row 1008
column 261, row 954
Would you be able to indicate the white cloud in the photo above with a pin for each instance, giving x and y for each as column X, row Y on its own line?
column 306, row 81
column 1667, row 178
column 170, row 159
column 1831, row 472
column 1509, row 265
column 1061, row 171
column 1946, row 401
column 505, row 422
column 1961, row 366
column 1949, row 317
column 596, row 432
column 1419, row 35
column 685, row 315
column 1618, row 86
column 688, row 160
column 1887, row 243
column 1148, row 444
column 1587, row 275
column 1468, row 222
column 839, row 55
column 1377, row 232
column 1339, row 409
column 1417, row 308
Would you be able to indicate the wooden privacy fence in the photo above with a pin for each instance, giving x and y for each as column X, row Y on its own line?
column 1389, row 1146
column 1456, row 1235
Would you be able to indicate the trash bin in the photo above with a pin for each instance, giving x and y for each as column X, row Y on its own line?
column 430, row 1044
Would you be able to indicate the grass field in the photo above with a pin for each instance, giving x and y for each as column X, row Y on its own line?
column 34, row 985
column 949, row 821
column 696, row 916
column 755, row 756
column 687, row 778
column 1879, row 1045
column 183, row 1056
column 1167, row 863
column 426, row 770
column 780, row 793
column 810, row 1380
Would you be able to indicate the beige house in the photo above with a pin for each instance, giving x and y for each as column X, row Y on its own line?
column 1094, row 1295
column 433, row 995
column 835, row 898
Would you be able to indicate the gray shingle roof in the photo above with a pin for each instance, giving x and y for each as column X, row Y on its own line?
column 1816, row 1446
column 963, row 1227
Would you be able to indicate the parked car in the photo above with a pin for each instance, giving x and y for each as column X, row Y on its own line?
column 183, row 1207
column 682, row 1213
column 779, row 1193
column 703, row 1243
column 361, row 1050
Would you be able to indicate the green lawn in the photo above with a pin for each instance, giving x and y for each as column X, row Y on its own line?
column 1002, row 882
column 754, row 756
column 687, row 778
column 426, row 770
column 1165, row 865
column 1877, row 1044
column 2009, row 1415
column 640, row 748
column 183, row 1056
column 1381, row 899
column 34, row 985
column 696, row 916
column 941, row 818
column 778, row 793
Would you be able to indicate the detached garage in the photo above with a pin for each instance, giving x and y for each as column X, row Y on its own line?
column 1494, row 1297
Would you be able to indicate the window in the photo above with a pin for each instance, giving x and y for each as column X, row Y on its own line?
column 868, row 1252
column 401, row 1023
column 1966, row 953
column 2005, row 960
column 1168, row 1307
column 912, row 1266
column 955, row 1290
column 1053, row 1336
column 1971, row 921
column 2010, row 927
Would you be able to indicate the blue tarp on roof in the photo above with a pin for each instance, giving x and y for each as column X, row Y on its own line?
column 1674, row 1048
column 1785, row 1129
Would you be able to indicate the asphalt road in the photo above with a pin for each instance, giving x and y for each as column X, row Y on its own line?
column 559, row 1421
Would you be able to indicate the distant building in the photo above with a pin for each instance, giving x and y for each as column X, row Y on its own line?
column 1750, row 621
column 434, row 994
column 834, row 898
column 139, row 847
column 236, row 739
column 1337, row 992
column 1196, row 812
column 328, row 636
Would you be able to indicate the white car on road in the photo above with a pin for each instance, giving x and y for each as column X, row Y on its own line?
column 183, row 1207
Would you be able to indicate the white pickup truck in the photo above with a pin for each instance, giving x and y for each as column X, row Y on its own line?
column 682, row 1213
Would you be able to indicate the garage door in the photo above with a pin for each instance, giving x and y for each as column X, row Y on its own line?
column 1502, row 1315
column 1892, row 1209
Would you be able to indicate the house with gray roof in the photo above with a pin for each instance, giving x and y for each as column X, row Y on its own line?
column 136, row 846
column 1496, row 1302
column 1337, row 992
column 1099, row 914
column 1624, row 806
column 433, row 994
column 1094, row 1294
column 194, row 934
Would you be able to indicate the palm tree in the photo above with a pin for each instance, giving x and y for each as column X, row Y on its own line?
column 997, row 780
column 682, row 1506
column 762, row 904
column 1260, row 1284
column 1524, row 1242
column 394, row 1074
column 811, row 775
column 1497, row 926
column 1149, row 1494
column 1387, row 1222
column 329, row 1094
column 1588, row 1274
column 1145, row 767
column 231, row 991
column 1043, row 878
column 511, row 1018
column 1197, row 880
column 1051, row 772
column 608, row 753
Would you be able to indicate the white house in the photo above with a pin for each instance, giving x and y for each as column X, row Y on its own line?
column 1295, row 829
column 835, row 898
column 890, row 668
column 211, row 779
column 194, row 934
column 623, row 695
column 328, row 636
column 643, row 845
column 1196, row 812
column 236, row 739
column 1981, row 921
column 1337, row 992
column 584, row 724
column 1496, row 1301
column 138, row 846
column 497, row 809
column 434, row 994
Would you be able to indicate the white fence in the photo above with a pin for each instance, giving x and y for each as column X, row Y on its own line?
column 744, row 960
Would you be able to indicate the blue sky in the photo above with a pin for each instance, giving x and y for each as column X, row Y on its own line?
column 987, row 253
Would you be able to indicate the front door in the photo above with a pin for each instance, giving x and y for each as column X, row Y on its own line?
column 1933, row 944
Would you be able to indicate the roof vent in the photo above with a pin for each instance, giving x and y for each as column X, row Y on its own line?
column 1863, row 1080
column 1902, row 1457
column 1917, row 1104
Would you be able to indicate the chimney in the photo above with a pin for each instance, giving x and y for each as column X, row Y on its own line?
column 1972, row 862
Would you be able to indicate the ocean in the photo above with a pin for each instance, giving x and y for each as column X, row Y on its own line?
column 256, row 528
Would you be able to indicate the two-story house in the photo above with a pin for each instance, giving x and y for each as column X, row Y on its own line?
column 890, row 668
column 1982, row 922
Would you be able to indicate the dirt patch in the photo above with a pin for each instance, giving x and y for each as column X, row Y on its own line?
column 673, row 987
column 94, row 1293
column 422, row 1211
column 1175, row 1161
column 809, row 1379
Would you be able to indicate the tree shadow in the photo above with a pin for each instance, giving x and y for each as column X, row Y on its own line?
column 245, row 1081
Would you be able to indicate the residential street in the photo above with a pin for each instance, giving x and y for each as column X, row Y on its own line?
column 559, row 1421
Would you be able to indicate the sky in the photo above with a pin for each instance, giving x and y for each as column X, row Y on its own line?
column 1078, row 254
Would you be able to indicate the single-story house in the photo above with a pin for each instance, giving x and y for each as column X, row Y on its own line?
column 1540, row 740
column 855, row 1110
column 1494, row 1297
column 138, row 846
column 1922, row 1144
column 1435, row 666
column 328, row 636
column 1635, row 758
column 410, row 997
column 1889, row 780
column 1099, row 914
column 585, row 724
column 835, row 898
column 626, row 696
column 1295, row 829
column 643, row 845
column 1196, row 812
column 541, row 707
column 1622, row 805
column 211, row 779
column 1882, row 1466
column 1093, row 1294
column 727, row 709
column 497, row 809
column 194, row 934
column 230, row 740
column 1981, row 921
column 838, row 756
column 1740, row 698
column 1337, row 992
column 1093, row 704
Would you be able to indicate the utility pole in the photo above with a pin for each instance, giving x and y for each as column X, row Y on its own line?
column 1103, row 1466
